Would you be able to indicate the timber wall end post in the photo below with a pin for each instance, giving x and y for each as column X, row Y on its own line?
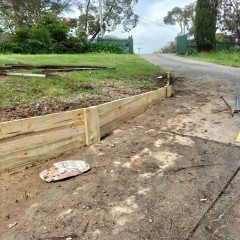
column 92, row 126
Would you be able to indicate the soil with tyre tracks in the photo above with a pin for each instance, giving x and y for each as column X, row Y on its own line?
column 165, row 174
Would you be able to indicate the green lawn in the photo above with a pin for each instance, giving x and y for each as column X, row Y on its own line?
column 131, row 71
column 224, row 57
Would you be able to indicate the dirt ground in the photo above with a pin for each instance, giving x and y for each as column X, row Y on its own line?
column 170, row 173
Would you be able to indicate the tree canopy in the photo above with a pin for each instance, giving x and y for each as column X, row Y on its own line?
column 181, row 16
column 205, row 24
column 25, row 13
column 115, row 13
column 229, row 17
column 16, row 14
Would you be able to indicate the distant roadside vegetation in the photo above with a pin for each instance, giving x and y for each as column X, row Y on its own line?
column 229, row 57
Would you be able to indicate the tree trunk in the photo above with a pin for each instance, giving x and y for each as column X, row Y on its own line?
column 104, row 19
column 87, row 11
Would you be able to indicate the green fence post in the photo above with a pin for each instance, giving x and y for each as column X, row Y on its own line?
column 130, row 39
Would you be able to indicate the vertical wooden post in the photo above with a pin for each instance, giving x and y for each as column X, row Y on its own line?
column 169, row 91
column 92, row 126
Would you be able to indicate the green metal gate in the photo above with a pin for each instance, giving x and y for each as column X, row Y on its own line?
column 182, row 44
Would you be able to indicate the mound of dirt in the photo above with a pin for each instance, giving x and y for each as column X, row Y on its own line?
column 55, row 105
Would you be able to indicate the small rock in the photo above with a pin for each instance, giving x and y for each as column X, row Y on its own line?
column 67, row 212
column 203, row 199
column 150, row 220
column 12, row 225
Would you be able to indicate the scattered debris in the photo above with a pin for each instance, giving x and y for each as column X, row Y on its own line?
column 222, row 215
column 238, row 137
column 9, row 69
column 138, row 164
column 12, row 224
column 27, row 75
column 30, row 66
column 189, row 167
column 71, row 237
column 234, row 106
column 67, row 212
column 203, row 200
column 63, row 170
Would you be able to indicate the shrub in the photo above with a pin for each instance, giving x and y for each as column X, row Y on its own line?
column 22, row 34
column 74, row 45
column 40, row 41
column 57, row 28
column 97, row 47
column 169, row 48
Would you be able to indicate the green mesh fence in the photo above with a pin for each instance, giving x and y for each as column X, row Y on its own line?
column 125, row 44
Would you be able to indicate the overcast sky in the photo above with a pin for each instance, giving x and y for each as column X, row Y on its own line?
column 151, row 34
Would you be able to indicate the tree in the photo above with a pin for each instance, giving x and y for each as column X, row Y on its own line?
column 169, row 48
column 229, row 17
column 205, row 24
column 115, row 13
column 181, row 16
column 56, row 27
column 25, row 13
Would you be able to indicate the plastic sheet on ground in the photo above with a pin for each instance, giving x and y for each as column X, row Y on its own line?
column 64, row 169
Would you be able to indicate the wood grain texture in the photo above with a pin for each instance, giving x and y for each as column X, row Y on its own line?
column 107, row 107
column 169, row 91
column 119, row 112
column 40, row 152
column 39, row 138
column 92, row 129
column 41, row 123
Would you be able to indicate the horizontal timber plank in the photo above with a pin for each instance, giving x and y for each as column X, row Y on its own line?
column 41, row 123
column 107, row 107
column 40, row 152
column 111, row 126
column 27, row 75
column 137, row 104
column 25, row 141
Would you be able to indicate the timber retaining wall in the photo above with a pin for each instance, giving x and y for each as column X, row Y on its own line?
column 34, row 139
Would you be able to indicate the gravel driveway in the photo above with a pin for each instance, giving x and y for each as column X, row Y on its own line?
column 220, row 78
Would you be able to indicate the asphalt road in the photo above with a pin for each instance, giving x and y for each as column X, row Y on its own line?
column 222, row 79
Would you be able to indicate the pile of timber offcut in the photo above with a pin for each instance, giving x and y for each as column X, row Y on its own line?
column 9, row 68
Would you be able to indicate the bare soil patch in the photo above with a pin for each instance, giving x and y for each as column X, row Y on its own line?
column 151, row 179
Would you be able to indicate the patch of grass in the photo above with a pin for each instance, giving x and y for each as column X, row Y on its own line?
column 223, row 57
column 131, row 70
